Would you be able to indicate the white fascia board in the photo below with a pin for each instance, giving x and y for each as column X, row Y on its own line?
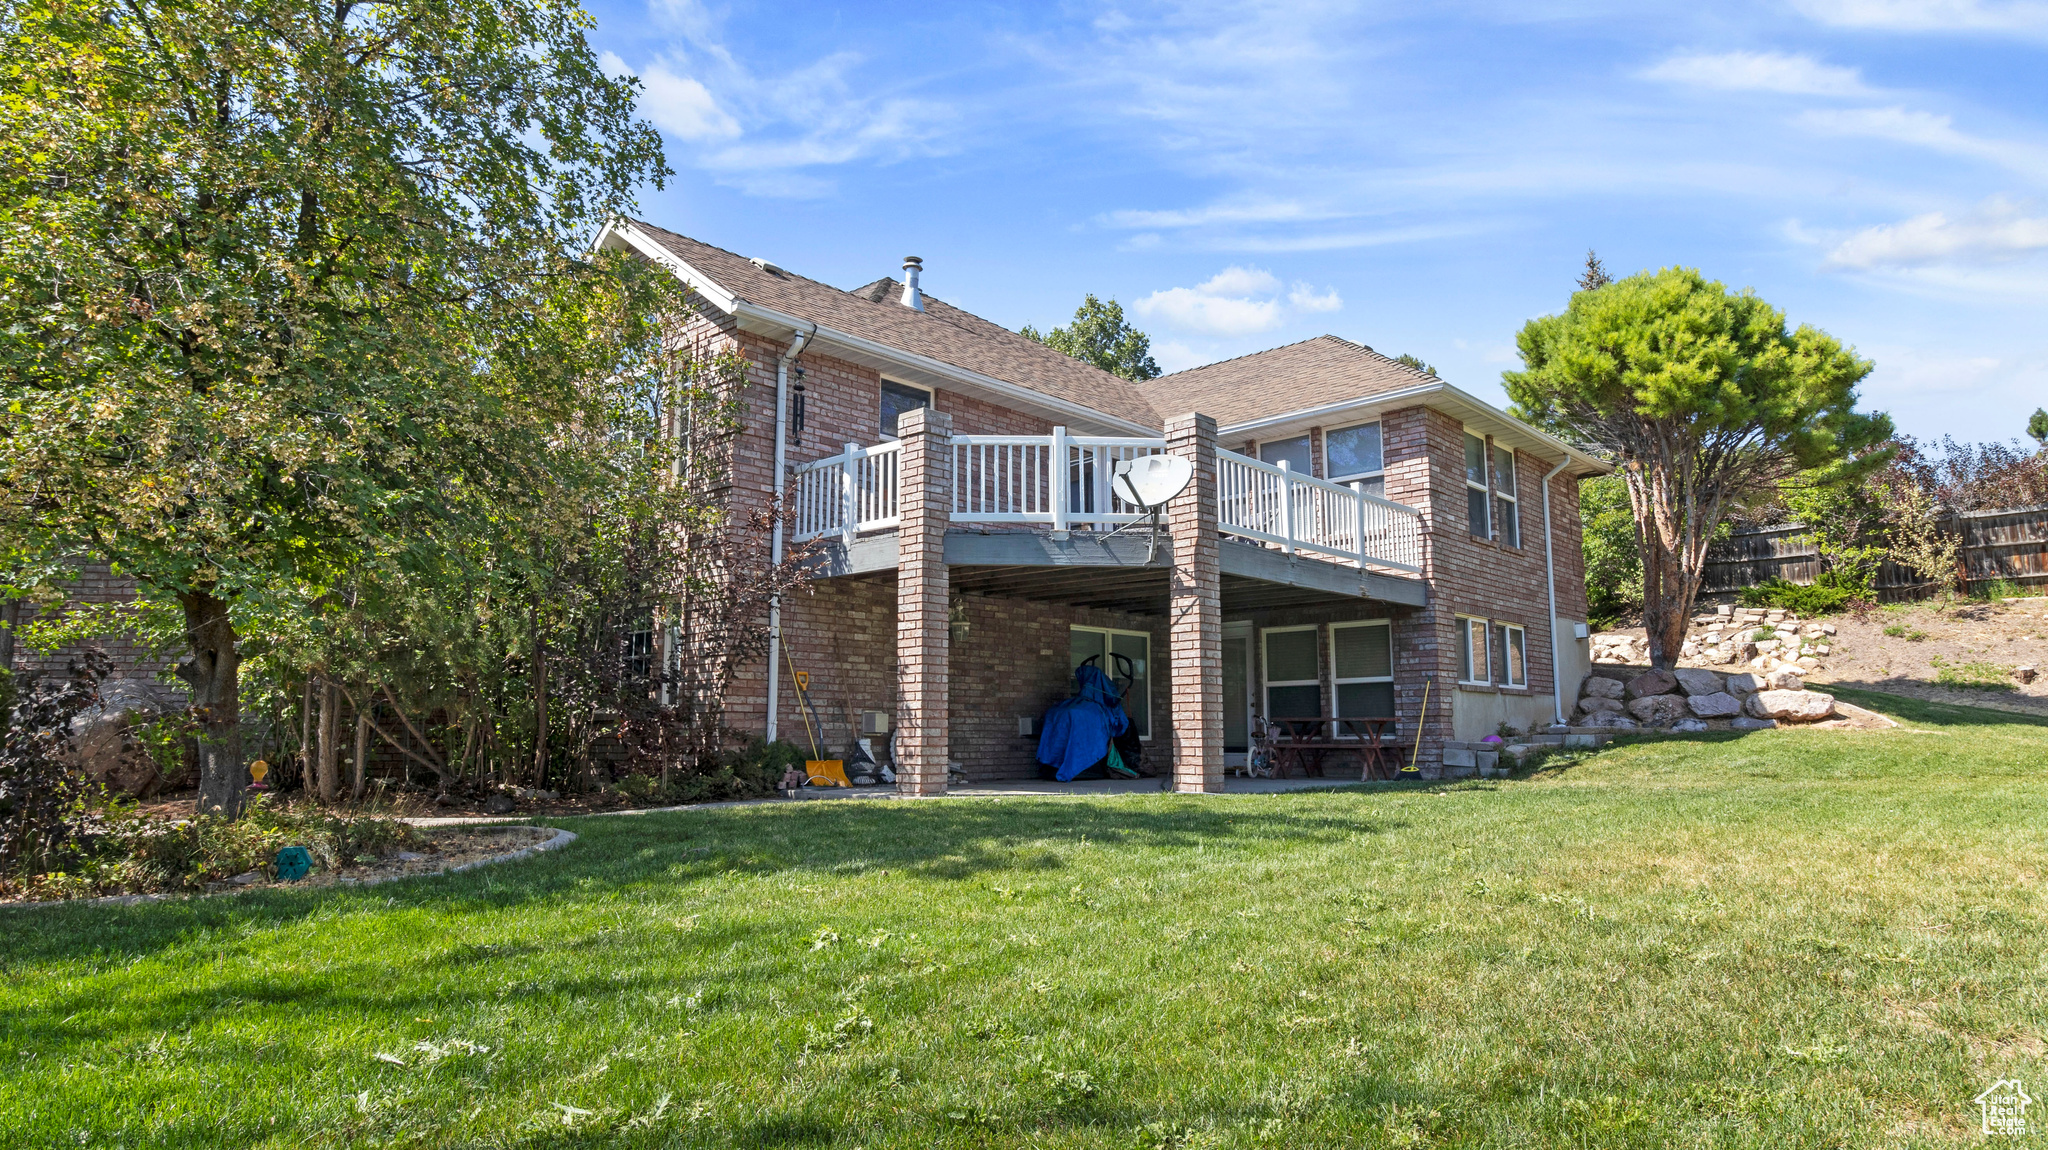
column 627, row 236
column 1475, row 411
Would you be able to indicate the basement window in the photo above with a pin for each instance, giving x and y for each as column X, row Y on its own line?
column 1514, row 656
column 1474, row 666
column 1293, row 689
column 1362, row 667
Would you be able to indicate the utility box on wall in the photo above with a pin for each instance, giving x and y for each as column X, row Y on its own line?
column 874, row 722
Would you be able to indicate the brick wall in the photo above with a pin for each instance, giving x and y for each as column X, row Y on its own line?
column 132, row 658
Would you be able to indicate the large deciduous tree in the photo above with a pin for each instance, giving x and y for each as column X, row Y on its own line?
column 259, row 268
column 1702, row 397
column 1102, row 336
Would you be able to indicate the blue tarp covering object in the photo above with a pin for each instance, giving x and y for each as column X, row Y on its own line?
column 1077, row 731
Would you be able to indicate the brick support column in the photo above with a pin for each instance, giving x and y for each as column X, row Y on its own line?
column 925, row 496
column 1195, row 611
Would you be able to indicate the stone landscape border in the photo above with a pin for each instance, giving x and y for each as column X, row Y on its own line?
column 561, row 839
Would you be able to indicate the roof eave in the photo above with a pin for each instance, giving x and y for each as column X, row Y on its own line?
column 768, row 321
column 1464, row 404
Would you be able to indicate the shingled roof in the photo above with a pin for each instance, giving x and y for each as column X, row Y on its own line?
column 941, row 332
column 1298, row 376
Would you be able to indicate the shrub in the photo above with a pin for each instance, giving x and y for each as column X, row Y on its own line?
column 1822, row 598
column 125, row 852
column 45, row 803
column 1996, row 589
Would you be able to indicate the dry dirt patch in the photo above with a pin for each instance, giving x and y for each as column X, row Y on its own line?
column 2007, row 635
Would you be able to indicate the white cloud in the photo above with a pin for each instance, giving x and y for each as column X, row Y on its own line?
column 1235, row 280
column 1190, row 310
column 1926, row 130
column 1759, row 72
column 1306, row 298
column 1235, row 301
column 1996, row 231
column 1931, row 15
column 679, row 105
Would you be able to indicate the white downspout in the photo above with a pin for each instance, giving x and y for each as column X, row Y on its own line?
column 1550, row 569
column 795, row 348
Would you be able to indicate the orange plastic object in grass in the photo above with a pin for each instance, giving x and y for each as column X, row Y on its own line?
column 825, row 772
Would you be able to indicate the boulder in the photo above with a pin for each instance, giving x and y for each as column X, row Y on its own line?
column 1601, row 687
column 1719, row 705
column 1651, row 683
column 1611, row 720
column 1695, row 681
column 104, row 737
column 1744, row 684
column 1688, row 726
column 1785, row 679
column 499, row 804
column 1597, row 706
column 1659, row 710
column 1792, row 706
column 1748, row 724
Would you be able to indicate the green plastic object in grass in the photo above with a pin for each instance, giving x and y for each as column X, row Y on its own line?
column 294, row 863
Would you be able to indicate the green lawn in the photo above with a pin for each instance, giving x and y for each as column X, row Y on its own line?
column 1818, row 939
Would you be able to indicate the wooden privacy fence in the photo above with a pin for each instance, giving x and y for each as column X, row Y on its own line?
column 1996, row 545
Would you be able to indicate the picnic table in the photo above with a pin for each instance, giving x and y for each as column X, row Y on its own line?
column 1306, row 742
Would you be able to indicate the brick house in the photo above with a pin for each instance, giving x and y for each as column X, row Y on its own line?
column 1355, row 530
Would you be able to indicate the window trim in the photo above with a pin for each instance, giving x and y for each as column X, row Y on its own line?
column 1146, row 734
column 1484, row 485
column 1266, row 681
column 1465, row 623
column 1506, row 494
column 1507, row 663
column 1336, row 694
column 931, row 402
column 1355, row 476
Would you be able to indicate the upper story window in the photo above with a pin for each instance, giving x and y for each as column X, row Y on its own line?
column 1476, row 495
column 1294, row 451
column 898, row 398
column 1508, row 511
column 1354, row 455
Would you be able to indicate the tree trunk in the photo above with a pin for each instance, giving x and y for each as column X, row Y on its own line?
column 358, row 767
column 10, row 621
column 329, row 781
column 215, row 677
column 306, row 737
column 540, row 707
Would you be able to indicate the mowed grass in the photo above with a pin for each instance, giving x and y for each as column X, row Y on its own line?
column 1788, row 939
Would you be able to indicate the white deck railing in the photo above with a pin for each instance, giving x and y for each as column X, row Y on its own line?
column 1058, row 479
column 1063, row 480
column 1273, row 504
column 847, row 493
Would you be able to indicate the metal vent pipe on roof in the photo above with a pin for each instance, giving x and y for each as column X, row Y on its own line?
column 912, row 298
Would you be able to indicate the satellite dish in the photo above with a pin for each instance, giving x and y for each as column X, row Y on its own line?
column 1150, row 480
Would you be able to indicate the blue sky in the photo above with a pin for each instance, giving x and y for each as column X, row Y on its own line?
column 1421, row 178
